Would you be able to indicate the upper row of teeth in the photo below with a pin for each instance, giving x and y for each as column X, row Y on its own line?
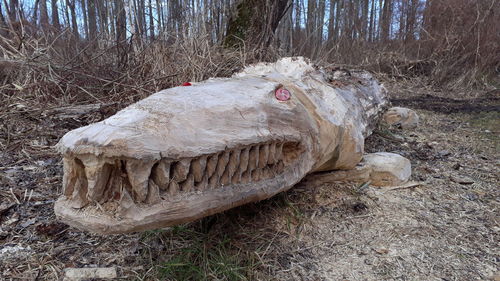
column 243, row 165
column 97, row 179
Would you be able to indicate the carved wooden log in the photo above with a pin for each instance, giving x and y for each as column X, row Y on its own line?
column 189, row 152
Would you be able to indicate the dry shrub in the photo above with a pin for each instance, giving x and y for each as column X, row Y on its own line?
column 462, row 36
column 56, row 69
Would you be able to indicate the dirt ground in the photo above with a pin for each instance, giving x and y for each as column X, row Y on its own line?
column 445, row 228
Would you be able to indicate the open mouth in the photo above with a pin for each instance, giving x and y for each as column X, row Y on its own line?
column 114, row 184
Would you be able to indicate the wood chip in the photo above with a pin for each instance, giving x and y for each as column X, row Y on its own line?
column 89, row 273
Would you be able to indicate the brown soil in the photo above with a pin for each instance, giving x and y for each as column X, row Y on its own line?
column 489, row 102
column 439, row 230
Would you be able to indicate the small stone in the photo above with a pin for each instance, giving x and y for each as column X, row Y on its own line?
column 404, row 117
column 16, row 251
column 461, row 179
column 444, row 153
column 472, row 196
column 456, row 166
column 28, row 222
column 388, row 169
column 382, row 251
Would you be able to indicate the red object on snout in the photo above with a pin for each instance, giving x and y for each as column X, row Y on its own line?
column 186, row 84
column 282, row 94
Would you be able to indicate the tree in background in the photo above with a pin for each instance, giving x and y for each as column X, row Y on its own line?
column 451, row 34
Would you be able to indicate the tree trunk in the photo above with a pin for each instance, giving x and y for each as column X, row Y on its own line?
column 365, row 18
column 161, row 20
column 121, row 29
column 120, row 21
column 85, row 18
column 311, row 22
column 411, row 20
column 320, row 21
column 13, row 10
column 253, row 26
column 338, row 18
column 44, row 16
column 331, row 21
column 402, row 21
column 103, row 19
column 55, row 15
column 34, row 18
column 74, row 23
column 92, row 21
column 3, row 22
column 151, row 21
column 386, row 20
column 371, row 35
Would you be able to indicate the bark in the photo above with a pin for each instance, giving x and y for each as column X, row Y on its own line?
column 139, row 17
column 91, row 11
column 44, row 16
column 298, row 16
column 402, row 19
column 55, row 14
column 311, row 20
column 331, row 21
column 120, row 21
column 120, row 28
column 3, row 22
column 85, row 18
column 386, row 20
column 13, row 10
column 340, row 7
column 320, row 22
column 74, row 23
column 365, row 20
column 250, row 25
column 161, row 19
column 103, row 18
column 35, row 13
column 151, row 21
column 411, row 19
column 371, row 35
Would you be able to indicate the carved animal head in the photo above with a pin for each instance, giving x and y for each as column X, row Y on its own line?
column 188, row 152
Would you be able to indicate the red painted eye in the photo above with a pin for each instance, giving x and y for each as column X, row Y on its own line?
column 282, row 94
column 186, row 84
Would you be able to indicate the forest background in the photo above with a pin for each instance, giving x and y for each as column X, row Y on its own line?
column 110, row 48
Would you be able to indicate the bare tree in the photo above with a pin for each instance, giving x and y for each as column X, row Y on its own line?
column 44, row 16
column 91, row 11
column 3, row 22
column 251, row 25
column 83, row 6
column 386, row 20
column 151, row 21
column 74, row 24
column 55, row 14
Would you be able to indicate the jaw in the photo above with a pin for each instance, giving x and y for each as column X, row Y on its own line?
column 117, row 194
